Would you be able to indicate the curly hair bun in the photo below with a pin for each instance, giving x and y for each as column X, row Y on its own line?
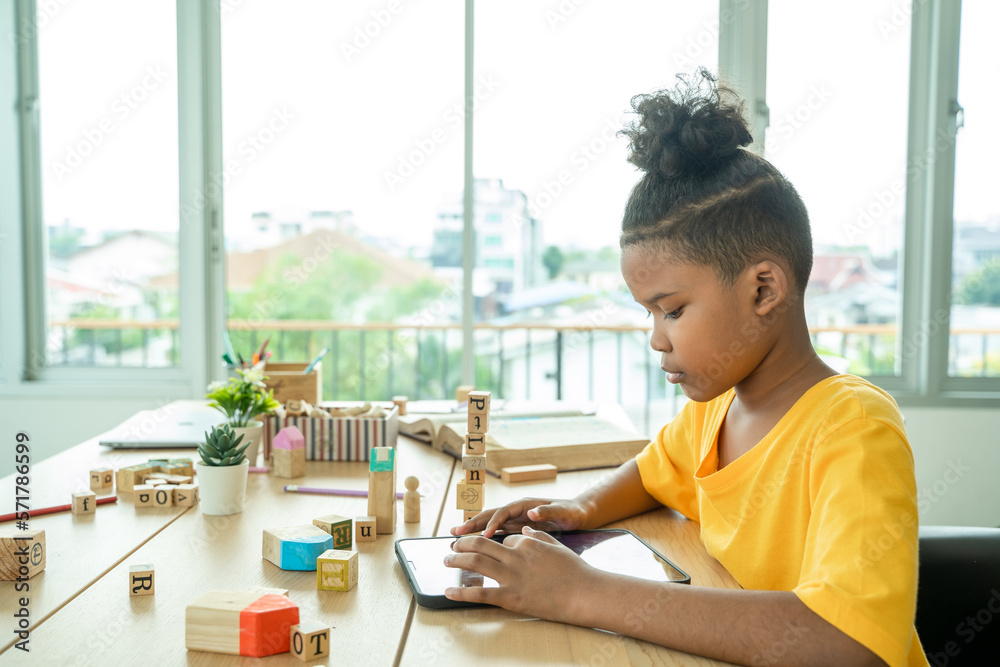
column 688, row 131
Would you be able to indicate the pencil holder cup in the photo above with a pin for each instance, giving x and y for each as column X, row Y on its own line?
column 291, row 384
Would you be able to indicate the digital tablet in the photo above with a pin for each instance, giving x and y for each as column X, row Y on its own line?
column 613, row 550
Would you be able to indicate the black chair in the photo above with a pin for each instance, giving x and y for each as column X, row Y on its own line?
column 958, row 598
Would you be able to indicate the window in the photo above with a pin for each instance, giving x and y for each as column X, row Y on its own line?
column 336, row 130
column 829, row 135
column 109, row 166
column 975, row 310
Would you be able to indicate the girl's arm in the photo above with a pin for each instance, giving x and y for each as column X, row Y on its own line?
column 539, row 577
column 618, row 496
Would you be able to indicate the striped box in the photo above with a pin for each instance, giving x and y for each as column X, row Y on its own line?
column 337, row 439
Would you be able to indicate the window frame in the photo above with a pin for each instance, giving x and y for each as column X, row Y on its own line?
column 926, row 253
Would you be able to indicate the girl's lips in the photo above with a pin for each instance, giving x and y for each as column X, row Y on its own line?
column 673, row 378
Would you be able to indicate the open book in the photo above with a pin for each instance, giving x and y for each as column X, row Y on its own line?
column 427, row 426
column 569, row 443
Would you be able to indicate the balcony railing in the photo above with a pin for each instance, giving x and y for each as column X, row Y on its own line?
column 524, row 361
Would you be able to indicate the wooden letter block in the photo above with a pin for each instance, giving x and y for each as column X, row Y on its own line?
column 462, row 392
column 469, row 514
column 473, row 462
column 101, row 478
column 22, row 553
column 295, row 547
column 475, row 476
column 152, row 481
column 338, row 527
column 411, row 500
column 337, row 570
column 310, row 641
column 382, row 489
column 479, row 411
column 131, row 476
column 141, row 580
column 475, row 443
column 240, row 623
column 364, row 529
column 288, row 453
column 469, row 496
column 528, row 473
column 84, row 502
column 186, row 495
column 163, row 495
column 143, row 495
column 178, row 467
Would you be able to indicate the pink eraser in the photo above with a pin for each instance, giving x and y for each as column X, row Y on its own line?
column 289, row 437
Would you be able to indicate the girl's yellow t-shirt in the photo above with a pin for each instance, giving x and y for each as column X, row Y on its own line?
column 825, row 506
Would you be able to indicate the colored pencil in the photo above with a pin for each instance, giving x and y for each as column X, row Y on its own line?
column 316, row 360
column 291, row 488
column 263, row 346
column 52, row 510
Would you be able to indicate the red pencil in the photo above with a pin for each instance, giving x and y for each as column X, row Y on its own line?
column 53, row 510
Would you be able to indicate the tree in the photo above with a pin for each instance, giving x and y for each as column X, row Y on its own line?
column 553, row 260
column 982, row 286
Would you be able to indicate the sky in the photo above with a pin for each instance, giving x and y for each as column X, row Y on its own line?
column 357, row 106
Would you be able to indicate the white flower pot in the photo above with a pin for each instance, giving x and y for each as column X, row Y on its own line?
column 252, row 433
column 222, row 488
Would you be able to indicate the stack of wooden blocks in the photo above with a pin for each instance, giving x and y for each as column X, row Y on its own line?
column 469, row 492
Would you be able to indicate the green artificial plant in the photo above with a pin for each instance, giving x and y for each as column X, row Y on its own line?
column 243, row 397
column 222, row 447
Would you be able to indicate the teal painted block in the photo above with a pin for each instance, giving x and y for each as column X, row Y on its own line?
column 383, row 459
column 296, row 547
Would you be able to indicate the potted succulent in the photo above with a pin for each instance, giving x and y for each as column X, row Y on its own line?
column 241, row 398
column 222, row 471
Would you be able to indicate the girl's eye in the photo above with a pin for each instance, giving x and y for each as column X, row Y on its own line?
column 673, row 315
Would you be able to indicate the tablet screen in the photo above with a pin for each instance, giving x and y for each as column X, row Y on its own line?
column 617, row 551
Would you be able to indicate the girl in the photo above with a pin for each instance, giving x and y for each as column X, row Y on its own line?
column 801, row 479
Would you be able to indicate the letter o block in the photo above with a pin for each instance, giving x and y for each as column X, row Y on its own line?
column 310, row 641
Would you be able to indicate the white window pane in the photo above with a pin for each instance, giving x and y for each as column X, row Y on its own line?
column 108, row 125
column 838, row 98
column 975, row 311
column 342, row 145
column 557, row 80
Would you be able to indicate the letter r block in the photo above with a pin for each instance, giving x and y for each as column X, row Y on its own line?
column 141, row 580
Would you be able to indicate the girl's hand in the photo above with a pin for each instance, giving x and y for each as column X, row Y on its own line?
column 536, row 575
column 550, row 515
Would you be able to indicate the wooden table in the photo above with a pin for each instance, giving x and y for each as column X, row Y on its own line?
column 82, row 614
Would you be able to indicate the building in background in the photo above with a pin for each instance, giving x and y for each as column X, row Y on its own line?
column 508, row 242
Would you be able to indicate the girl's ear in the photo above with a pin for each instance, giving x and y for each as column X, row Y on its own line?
column 771, row 282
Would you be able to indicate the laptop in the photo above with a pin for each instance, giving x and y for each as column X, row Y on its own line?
column 168, row 427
